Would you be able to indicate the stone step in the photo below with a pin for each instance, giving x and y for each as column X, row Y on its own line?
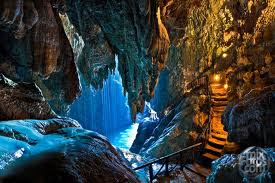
column 218, row 108
column 219, row 136
column 220, row 91
column 218, row 150
column 210, row 156
column 219, row 103
column 217, row 124
column 216, row 141
column 217, row 85
column 216, row 114
column 220, row 98
column 218, row 131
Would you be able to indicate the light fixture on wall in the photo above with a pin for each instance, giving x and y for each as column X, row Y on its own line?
column 217, row 77
column 225, row 86
column 224, row 55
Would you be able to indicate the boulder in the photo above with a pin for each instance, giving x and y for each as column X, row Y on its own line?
column 22, row 101
column 58, row 150
column 144, row 131
column 174, row 131
column 250, row 121
column 226, row 170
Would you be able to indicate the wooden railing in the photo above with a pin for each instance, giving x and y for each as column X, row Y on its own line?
column 198, row 82
column 165, row 161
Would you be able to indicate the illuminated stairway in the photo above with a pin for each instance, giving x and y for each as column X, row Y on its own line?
column 217, row 136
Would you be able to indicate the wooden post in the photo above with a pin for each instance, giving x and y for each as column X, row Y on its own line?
column 151, row 173
column 166, row 167
column 181, row 162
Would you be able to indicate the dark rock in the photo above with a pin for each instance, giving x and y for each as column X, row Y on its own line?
column 226, row 170
column 22, row 101
column 58, row 150
column 145, row 130
column 250, row 121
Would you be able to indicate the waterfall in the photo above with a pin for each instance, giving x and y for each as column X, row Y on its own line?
column 104, row 111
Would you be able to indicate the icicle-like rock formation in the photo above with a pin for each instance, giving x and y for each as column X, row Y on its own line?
column 131, row 29
column 34, row 48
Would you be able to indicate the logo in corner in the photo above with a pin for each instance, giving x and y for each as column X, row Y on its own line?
column 253, row 162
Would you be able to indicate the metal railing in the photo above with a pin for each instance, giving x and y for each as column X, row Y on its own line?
column 165, row 161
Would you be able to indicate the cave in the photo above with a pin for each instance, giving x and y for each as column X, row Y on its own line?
column 137, row 91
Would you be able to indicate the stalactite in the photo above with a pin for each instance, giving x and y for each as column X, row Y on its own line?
column 104, row 110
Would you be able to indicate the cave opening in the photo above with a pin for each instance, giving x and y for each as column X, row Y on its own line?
column 106, row 111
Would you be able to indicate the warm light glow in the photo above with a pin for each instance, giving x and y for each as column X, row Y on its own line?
column 225, row 86
column 224, row 55
column 217, row 77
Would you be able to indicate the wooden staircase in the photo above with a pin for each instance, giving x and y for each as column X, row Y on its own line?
column 217, row 136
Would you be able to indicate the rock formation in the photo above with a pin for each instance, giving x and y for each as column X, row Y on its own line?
column 58, row 150
column 34, row 48
column 22, row 101
column 226, row 170
column 131, row 29
column 250, row 121
column 174, row 131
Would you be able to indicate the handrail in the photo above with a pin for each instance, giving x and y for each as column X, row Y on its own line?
column 198, row 82
column 168, row 156
column 165, row 160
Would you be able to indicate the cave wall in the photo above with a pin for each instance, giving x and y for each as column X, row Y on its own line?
column 35, row 49
column 131, row 29
column 235, row 38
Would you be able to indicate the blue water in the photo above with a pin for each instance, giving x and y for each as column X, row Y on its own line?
column 125, row 137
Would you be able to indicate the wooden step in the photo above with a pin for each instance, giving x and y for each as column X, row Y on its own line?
column 210, row 156
column 218, row 150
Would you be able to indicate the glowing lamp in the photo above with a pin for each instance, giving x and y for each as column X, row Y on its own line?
column 225, row 86
column 224, row 55
column 217, row 77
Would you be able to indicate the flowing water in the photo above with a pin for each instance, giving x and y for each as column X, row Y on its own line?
column 125, row 137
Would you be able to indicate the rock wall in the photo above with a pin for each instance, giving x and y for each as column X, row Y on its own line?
column 174, row 131
column 235, row 38
column 22, row 101
column 250, row 121
column 35, row 49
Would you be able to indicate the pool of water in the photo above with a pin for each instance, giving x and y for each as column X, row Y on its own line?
column 125, row 137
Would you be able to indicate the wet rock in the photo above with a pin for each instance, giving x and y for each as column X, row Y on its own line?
column 22, row 101
column 174, row 131
column 145, row 130
column 58, row 150
column 226, row 170
column 250, row 121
